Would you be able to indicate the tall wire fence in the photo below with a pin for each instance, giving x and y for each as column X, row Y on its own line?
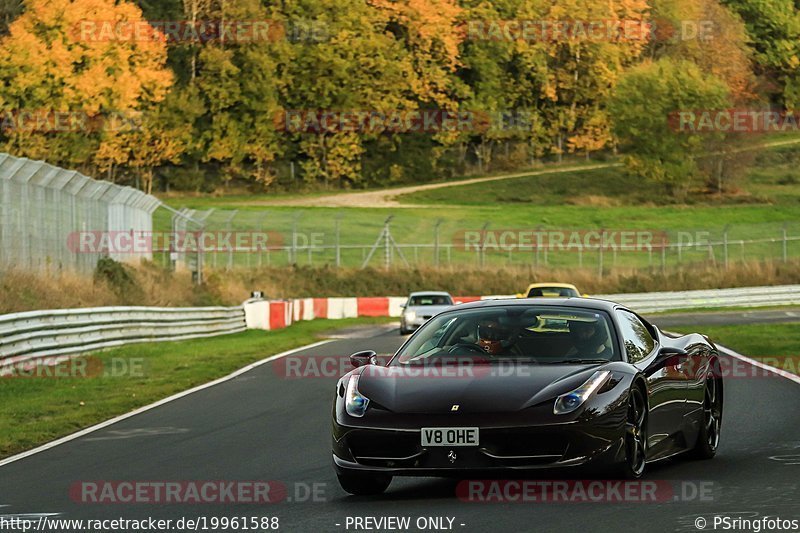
column 45, row 211
column 317, row 237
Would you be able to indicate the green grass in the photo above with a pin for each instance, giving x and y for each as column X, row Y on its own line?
column 723, row 310
column 360, row 227
column 36, row 410
column 768, row 199
column 239, row 198
column 772, row 181
column 771, row 342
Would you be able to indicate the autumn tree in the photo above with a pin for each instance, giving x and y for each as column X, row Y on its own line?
column 358, row 66
column 644, row 109
column 9, row 10
column 773, row 27
column 56, row 60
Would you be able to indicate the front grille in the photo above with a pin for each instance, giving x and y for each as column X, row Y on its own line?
column 383, row 444
column 515, row 443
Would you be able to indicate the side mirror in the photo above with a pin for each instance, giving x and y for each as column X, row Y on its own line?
column 458, row 302
column 671, row 356
column 367, row 357
column 402, row 306
column 584, row 295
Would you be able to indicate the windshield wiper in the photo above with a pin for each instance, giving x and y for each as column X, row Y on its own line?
column 580, row 362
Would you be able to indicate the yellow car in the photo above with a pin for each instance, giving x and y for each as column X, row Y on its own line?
column 551, row 290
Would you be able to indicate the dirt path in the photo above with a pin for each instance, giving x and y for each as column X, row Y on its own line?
column 388, row 197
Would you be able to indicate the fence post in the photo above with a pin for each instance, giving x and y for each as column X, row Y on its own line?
column 482, row 251
column 725, row 247
column 600, row 254
column 261, row 231
column 230, row 248
column 338, row 219
column 293, row 247
column 785, row 245
column 436, row 241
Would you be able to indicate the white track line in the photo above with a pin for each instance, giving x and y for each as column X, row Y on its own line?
column 759, row 364
column 159, row 403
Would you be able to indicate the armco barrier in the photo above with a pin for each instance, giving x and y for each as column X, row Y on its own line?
column 740, row 297
column 262, row 315
column 65, row 332
column 70, row 331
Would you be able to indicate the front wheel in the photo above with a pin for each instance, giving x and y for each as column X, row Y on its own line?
column 635, row 437
column 364, row 484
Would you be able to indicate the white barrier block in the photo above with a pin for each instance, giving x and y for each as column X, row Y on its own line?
column 394, row 305
column 308, row 309
column 256, row 314
column 349, row 307
column 296, row 309
column 289, row 312
column 335, row 308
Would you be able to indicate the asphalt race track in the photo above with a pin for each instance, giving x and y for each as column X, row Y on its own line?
column 262, row 426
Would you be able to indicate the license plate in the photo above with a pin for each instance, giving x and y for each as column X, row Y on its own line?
column 450, row 436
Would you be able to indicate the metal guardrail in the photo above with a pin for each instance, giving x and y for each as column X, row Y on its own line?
column 741, row 297
column 65, row 332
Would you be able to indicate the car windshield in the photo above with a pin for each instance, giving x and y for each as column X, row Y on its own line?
column 430, row 299
column 530, row 334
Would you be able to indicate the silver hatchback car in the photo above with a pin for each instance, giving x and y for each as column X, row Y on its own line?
column 421, row 307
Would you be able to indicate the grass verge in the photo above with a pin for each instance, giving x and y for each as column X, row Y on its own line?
column 36, row 410
column 736, row 309
column 758, row 341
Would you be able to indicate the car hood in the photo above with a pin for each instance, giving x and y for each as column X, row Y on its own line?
column 478, row 389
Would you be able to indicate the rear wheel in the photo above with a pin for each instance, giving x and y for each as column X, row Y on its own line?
column 635, row 437
column 364, row 484
column 708, row 438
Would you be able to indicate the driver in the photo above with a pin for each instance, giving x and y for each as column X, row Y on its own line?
column 495, row 338
column 590, row 339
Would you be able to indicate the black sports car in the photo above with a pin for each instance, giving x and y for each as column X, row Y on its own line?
column 511, row 385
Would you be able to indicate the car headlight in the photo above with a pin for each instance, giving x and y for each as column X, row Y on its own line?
column 411, row 315
column 566, row 403
column 355, row 402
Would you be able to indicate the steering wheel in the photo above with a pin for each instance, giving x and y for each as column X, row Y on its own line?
column 475, row 349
